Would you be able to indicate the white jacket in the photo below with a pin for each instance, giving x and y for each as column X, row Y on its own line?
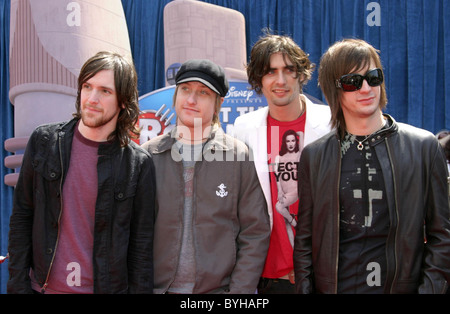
column 251, row 128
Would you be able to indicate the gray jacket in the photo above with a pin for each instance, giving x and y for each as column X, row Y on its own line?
column 231, row 224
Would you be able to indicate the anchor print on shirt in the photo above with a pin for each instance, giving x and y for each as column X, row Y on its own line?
column 222, row 193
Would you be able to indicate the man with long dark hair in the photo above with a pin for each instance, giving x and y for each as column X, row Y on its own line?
column 83, row 211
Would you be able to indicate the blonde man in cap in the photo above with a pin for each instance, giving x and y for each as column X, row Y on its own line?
column 212, row 228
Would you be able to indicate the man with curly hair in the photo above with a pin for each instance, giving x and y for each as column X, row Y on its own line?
column 279, row 69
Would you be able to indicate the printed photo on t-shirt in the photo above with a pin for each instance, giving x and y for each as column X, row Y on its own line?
column 285, row 171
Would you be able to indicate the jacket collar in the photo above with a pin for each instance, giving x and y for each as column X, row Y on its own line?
column 68, row 128
column 216, row 141
column 390, row 128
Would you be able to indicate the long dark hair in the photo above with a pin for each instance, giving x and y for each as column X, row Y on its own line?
column 125, row 80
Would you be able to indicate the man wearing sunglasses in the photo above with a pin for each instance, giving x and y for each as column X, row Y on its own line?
column 374, row 212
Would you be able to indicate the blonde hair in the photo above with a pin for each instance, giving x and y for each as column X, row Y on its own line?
column 217, row 106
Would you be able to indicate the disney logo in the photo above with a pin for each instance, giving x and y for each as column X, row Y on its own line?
column 239, row 93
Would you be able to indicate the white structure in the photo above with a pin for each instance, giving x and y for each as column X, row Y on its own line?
column 199, row 30
column 49, row 42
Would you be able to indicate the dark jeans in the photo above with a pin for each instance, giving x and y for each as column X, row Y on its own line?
column 275, row 286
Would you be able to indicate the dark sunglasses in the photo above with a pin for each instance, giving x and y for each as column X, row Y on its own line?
column 353, row 82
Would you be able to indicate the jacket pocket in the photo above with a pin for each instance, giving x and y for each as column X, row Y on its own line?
column 123, row 192
column 50, row 171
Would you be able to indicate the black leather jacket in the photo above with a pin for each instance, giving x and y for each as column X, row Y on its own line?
column 415, row 176
column 124, row 214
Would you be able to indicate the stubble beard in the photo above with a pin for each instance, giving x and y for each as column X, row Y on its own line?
column 91, row 121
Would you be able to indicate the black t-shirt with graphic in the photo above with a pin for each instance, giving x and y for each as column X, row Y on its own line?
column 364, row 220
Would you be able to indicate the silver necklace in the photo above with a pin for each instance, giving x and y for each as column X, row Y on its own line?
column 360, row 143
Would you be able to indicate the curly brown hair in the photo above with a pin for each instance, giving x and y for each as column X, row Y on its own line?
column 269, row 44
column 125, row 80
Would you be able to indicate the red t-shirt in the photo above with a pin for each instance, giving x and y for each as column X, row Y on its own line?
column 284, row 144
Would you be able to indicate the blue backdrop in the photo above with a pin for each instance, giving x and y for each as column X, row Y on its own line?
column 413, row 36
column 6, row 131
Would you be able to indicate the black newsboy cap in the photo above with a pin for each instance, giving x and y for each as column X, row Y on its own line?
column 206, row 72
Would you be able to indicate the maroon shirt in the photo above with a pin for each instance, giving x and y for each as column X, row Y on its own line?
column 72, row 269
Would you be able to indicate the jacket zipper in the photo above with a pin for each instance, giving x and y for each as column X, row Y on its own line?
column 338, row 218
column 397, row 216
column 44, row 287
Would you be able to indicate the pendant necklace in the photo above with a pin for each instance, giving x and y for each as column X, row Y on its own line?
column 360, row 143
